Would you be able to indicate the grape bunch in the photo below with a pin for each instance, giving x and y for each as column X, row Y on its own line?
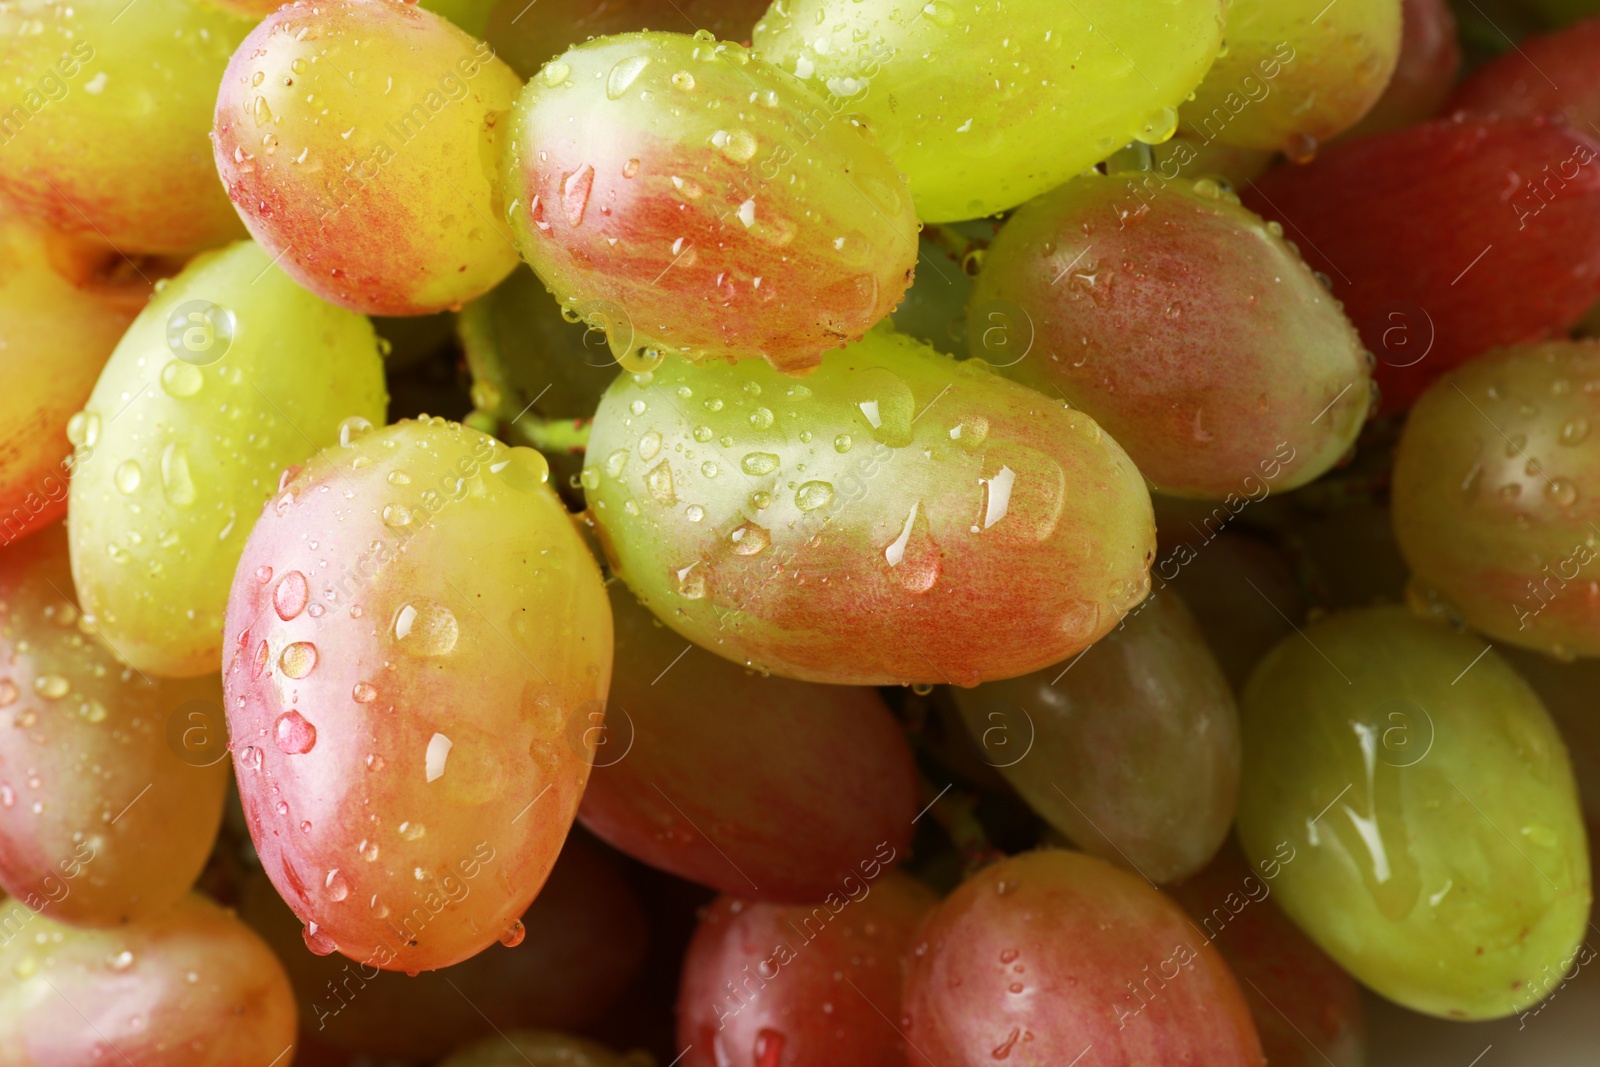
column 821, row 533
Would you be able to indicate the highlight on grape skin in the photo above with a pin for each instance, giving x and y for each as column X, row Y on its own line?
column 695, row 201
column 356, row 138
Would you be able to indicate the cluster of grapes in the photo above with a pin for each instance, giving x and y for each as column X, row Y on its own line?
column 1218, row 514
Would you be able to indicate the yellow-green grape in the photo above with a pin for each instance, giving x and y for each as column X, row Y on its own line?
column 231, row 374
column 1296, row 73
column 532, row 1048
column 359, row 139
column 1497, row 496
column 1422, row 807
column 104, row 114
column 696, row 201
column 895, row 517
column 1131, row 749
column 111, row 783
column 191, row 986
column 987, row 103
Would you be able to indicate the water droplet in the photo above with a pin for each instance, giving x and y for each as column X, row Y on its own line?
column 690, row 581
column 426, row 628
column 1562, row 492
column 363, row 693
column 336, row 885
column 413, row 831
column 51, row 686
column 83, row 429
column 181, row 379
column 514, row 935
column 396, row 516
column 119, row 961
column 694, row 512
column 555, row 72
column 813, row 495
column 128, row 475
column 659, row 482
column 295, row 735
column 769, row 1048
column 298, row 659
column 761, row 418
column 622, row 76
column 317, row 941
column 8, row 692
column 748, row 539
column 649, row 445
column 1575, row 431
column 575, row 189
column 352, row 430
column 289, row 599
column 759, row 463
column 842, row 443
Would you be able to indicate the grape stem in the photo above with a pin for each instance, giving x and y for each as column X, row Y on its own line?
column 956, row 813
column 496, row 400
column 953, row 243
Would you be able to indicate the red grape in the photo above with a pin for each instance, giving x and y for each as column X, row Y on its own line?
column 1449, row 238
column 1555, row 73
column 414, row 635
column 802, row 986
column 767, row 788
column 1045, row 956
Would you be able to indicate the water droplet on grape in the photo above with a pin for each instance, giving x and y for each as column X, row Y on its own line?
column 294, row 734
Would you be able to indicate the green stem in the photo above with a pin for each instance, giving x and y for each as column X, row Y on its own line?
column 957, row 814
column 497, row 403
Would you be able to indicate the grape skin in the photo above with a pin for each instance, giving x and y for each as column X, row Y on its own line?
column 380, row 195
column 175, row 458
column 1495, row 483
column 1133, row 747
column 123, row 821
column 107, row 119
column 1425, row 73
column 766, row 788
column 59, row 321
column 696, row 200
column 410, row 697
column 1507, row 87
column 987, row 103
column 1297, row 73
column 978, row 531
column 772, row 979
column 1183, row 324
column 1110, row 962
column 1395, row 785
column 190, row 987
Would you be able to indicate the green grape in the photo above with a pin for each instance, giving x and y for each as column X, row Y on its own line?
column 62, row 310
column 111, row 783
column 1131, row 750
column 1427, row 801
column 358, row 140
column 231, row 374
column 896, row 517
column 695, row 200
column 1182, row 323
column 191, row 986
column 526, row 35
column 987, row 103
column 105, row 118
column 532, row 1048
column 1495, row 484
column 1296, row 73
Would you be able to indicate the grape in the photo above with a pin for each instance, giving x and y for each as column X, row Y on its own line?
column 62, row 309
column 1045, row 955
column 1427, row 799
column 806, row 984
column 692, row 199
column 1438, row 242
column 525, row 1048
column 1131, row 750
column 987, row 104
column 1242, row 593
column 105, row 119
column 1430, row 59
column 404, row 689
column 1307, row 1010
column 188, row 987
column 762, row 787
column 111, row 783
column 231, row 373
column 1516, row 85
column 1183, row 324
column 583, row 939
column 1494, row 484
column 897, row 518
column 1296, row 73
column 527, row 35
column 326, row 140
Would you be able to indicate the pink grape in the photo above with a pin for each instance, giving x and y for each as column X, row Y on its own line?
column 414, row 630
column 766, row 788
